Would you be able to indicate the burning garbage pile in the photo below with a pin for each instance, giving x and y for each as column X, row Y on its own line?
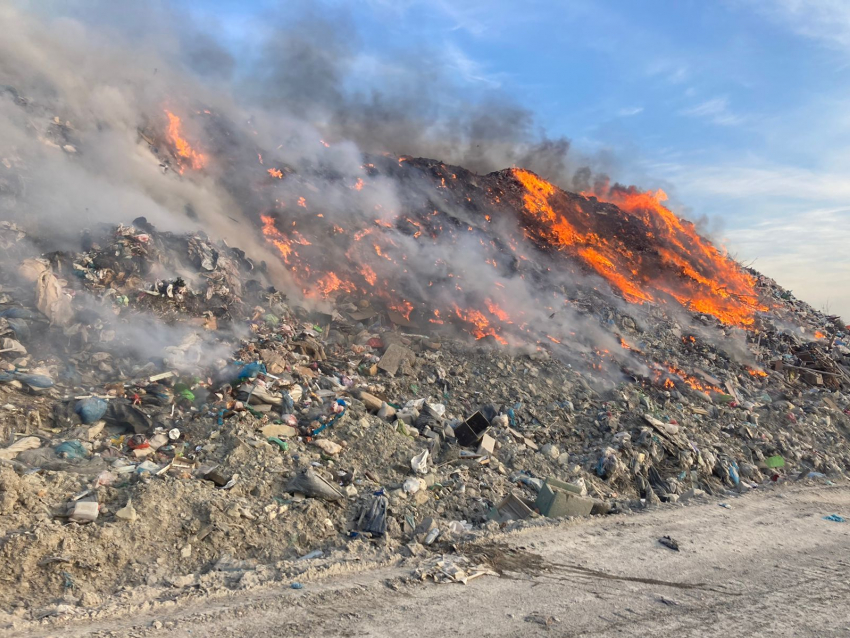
column 159, row 389
column 453, row 247
column 387, row 354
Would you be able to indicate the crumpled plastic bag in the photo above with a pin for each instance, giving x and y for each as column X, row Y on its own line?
column 311, row 484
column 185, row 357
column 50, row 296
column 91, row 409
column 374, row 519
column 21, row 445
column 419, row 463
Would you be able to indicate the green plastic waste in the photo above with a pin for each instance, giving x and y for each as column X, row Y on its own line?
column 283, row 445
column 774, row 462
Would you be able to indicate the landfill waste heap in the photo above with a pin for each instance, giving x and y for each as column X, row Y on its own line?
column 171, row 414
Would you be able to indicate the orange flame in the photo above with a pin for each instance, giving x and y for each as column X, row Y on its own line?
column 281, row 241
column 707, row 280
column 184, row 150
column 692, row 381
column 275, row 172
column 331, row 283
column 368, row 274
column 481, row 325
column 716, row 285
column 591, row 248
column 403, row 307
column 496, row 311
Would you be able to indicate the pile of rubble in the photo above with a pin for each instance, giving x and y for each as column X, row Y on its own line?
column 166, row 412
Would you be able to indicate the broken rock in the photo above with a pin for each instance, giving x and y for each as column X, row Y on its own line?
column 279, row 430
column 393, row 358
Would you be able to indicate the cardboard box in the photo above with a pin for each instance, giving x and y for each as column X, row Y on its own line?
column 470, row 431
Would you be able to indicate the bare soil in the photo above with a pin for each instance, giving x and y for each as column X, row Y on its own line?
column 770, row 565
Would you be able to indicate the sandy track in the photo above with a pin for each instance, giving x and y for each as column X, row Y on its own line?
column 769, row 566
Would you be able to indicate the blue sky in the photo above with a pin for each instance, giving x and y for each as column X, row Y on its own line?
column 739, row 109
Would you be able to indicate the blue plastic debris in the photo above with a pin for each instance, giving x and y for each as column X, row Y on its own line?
column 733, row 473
column 835, row 518
column 21, row 328
column 71, row 450
column 37, row 381
column 91, row 409
column 297, row 586
column 336, row 417
column 17, row 313
column 251, row 370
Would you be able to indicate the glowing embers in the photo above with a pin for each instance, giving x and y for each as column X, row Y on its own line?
column 666, row 376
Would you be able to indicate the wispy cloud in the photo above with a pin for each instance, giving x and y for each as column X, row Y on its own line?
column 469, row 69
column 630, row 111
column 468, row 17
column 715, row 110
column 826, row 21
column 673, row 71
column 762, row 180
column 805, row 252
column 793, row 221
column 475, row 17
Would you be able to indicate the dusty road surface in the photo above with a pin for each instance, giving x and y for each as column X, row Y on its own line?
column 769, row 566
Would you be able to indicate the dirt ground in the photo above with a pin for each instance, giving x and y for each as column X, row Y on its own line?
column 770, row 565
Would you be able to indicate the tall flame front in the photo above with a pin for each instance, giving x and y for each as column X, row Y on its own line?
column 704, row 279
column 632, row 241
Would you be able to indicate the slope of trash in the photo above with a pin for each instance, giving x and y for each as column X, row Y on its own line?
column 166, row 413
